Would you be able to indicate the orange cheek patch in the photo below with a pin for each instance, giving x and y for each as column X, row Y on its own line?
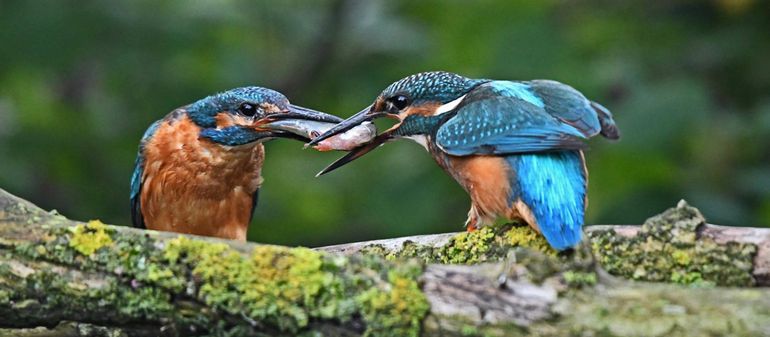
column 225, row 119
column 422, row 110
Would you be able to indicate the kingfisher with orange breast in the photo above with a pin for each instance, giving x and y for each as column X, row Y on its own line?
column 198, row 170
column 516, row 147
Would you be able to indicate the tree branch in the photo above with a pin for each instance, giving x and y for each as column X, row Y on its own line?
column 63, row 277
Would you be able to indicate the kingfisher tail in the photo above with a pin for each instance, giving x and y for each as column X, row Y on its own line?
column 553, row 186
column 609, row 129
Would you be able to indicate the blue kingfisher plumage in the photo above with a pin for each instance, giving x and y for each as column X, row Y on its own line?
column 198, row 170
column 514, row 146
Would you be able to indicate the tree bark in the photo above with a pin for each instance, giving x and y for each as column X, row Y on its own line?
column 60, row 277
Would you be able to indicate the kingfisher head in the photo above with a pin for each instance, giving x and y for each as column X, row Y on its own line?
column 415, row 102
column 251, row 114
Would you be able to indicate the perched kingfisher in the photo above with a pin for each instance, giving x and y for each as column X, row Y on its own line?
column 516, row 147
column 198, row 170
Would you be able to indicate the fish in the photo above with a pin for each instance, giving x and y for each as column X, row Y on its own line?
column 346, row 141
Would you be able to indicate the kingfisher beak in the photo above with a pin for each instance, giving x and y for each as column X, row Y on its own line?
column 357, row 152
column 355, row 120
column 362, row 116
column 297, row 123
column 298, row 112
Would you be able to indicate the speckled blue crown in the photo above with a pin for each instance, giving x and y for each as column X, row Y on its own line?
column 432, row 86
column 203, row 111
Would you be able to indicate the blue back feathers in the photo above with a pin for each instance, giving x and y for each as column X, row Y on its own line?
column 553, row 185
column 567, row 105
column 504, row 117
column 518, row 90
column 501, row 117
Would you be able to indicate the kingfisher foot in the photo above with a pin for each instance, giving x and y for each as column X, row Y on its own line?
column 474, row 220
column 471, row 224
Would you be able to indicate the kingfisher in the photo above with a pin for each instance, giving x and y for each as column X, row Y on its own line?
column 198, row 170
column 516, row 147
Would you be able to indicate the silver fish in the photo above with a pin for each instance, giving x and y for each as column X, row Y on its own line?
column 346, row 141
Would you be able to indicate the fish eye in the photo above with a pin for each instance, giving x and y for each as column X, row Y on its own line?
column 247, row 109
column 400, row 102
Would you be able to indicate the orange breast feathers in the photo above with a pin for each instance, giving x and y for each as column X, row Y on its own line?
column 487, row 181
column 195, row 186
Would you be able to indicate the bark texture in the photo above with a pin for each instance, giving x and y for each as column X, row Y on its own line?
column 60, row 277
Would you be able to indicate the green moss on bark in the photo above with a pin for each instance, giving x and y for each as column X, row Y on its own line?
column 271, row 289
column 656, row 310
column 394, row 310
column 668, row 249
column 487, row 244
column 289, row 287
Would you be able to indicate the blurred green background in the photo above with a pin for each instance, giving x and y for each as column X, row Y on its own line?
column 688, row 82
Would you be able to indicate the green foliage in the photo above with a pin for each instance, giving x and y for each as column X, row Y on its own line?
column 686, row 82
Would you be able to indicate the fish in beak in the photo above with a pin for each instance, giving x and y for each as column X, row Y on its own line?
column 307, row 124
column 363, row 117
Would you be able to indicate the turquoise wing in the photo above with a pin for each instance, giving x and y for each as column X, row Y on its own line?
column 505, row 117
column 136, row 178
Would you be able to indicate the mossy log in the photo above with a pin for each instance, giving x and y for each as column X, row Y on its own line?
column 60, row 277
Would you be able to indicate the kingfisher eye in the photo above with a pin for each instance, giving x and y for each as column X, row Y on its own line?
column 400, row 102
column 247, row 109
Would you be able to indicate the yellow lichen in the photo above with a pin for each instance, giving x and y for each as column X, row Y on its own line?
column 395, row 311
column 468, row 247
column 681, row 257
column 289, row 287
column 525, row 236
column 283, row 289
column 489, row 243
column 289, row 282
column 577, row 278
column 88, row 238
column 667, row 249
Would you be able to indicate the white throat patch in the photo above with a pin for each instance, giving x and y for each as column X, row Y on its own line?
column 420, row 139
column 449, row 106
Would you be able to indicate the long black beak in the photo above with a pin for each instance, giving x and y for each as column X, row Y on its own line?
column 364, row 115
column 357, row 152
column 298, row 112
column 360, row 117
column 297, row 123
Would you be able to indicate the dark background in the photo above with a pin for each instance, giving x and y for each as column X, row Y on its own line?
column 688, row 82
